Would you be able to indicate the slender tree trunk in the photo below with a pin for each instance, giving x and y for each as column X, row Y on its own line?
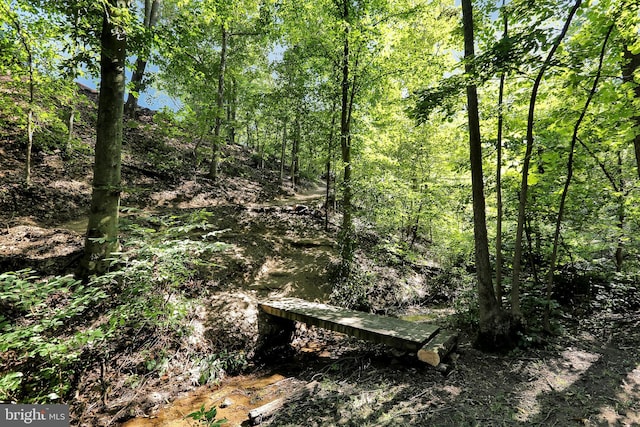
column 567, row 183
column 499, row 288
column 517, row 257
column 494, row 327
column 347, row 237
column 295, row 152
column 151, row 17
column 621, row 216
column 74, row 73
column 618, row 186
column 283, row 150
column 249, row 139
column 233, row 111
column 70, row 128
column 260, row 143
column 217, row 139
column 30, row 120
column 329, row 171
column 102, row 230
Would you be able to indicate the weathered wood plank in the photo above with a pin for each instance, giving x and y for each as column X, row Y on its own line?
column 437, row 349
column 387, row 330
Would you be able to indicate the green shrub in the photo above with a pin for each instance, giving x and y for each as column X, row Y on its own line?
column 50, row 327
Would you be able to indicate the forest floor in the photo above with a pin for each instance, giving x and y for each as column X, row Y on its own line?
column 587, row 375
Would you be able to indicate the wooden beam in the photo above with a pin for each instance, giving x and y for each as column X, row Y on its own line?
column 398, row 333
column 437, row 349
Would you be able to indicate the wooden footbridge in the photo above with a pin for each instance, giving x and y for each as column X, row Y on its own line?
column 427, row 340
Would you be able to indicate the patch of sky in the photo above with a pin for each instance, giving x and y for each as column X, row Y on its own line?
column 151, row 97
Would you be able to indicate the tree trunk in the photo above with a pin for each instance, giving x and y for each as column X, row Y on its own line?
column 283, row 151
column 621, row 216
column 295, row 152
column 151, row 17
column 70, row 126
column 30, row 120
column 517, row 257
column 102, row 230
column 329, row 171
column 347, row 234
column 495, row 328
column 217, row 139
column 567, row 183
column 499, row 289
column 233, row 111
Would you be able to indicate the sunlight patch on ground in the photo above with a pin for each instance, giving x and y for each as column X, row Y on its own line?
column 25, row 240
column 69, row 185
column 554, row 376
column 187, row 195
column 625, row 409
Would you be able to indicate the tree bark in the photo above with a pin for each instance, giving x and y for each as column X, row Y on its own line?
column 499, row 289
column 283, row 150
column 26, row 44
column 524, row 186
column 295, row 152
column 233, row 111
column 217, row 139
column 619, row 256
column 492, row 330
column 151, row 17
column 328, row 166
column 347, row 238
column 102, row 230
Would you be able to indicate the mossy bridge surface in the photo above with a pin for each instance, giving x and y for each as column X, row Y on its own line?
column 426, row 339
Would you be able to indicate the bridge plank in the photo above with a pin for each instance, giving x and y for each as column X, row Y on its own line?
column 398, row 333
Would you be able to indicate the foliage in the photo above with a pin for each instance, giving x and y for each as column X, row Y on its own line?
column 36, row 333
column 207, row 417
column 353, row 292
column 213, row 367
column 50, row 328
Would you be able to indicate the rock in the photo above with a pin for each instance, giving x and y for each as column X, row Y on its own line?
column 226, row 403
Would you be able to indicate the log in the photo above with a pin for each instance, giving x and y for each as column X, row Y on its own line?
column 434, row 351
column 261, row 413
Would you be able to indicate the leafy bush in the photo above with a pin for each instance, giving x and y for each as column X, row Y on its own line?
column 40, row 352
column 50, row 327
column 207, row 417
column 353, row 292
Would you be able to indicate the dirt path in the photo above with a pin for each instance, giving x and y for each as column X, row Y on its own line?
column 278, row 248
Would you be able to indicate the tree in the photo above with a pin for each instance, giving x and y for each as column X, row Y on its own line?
column 152, row 10
column 499, row 291
column 33, row 33
column 102, row 231
column 565, row 190
column 517, row 257
column 495, row 329
column 197, row 50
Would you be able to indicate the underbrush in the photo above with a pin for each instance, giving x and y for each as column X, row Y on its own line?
column 54, row 330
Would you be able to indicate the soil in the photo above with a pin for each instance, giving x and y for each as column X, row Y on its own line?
column 588, row 375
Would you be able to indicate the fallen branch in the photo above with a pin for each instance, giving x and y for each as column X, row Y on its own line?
column 260, row 414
